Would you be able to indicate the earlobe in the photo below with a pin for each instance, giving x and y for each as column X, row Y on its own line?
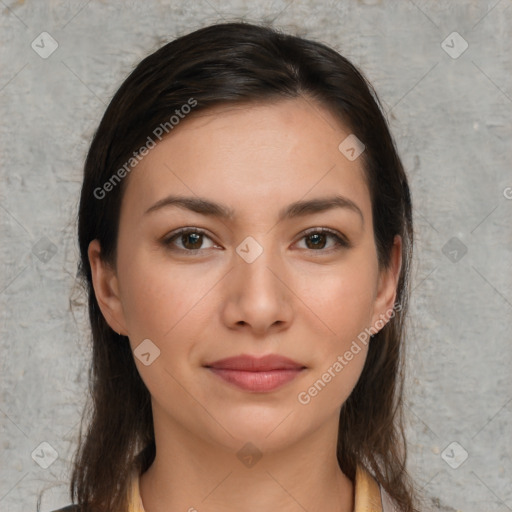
column 387, row 287
column 106, row 288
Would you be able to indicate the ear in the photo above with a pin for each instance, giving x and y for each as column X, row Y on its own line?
column 386, row 288
column 106, row 289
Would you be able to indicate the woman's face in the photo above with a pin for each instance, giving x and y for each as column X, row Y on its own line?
column 262, row 281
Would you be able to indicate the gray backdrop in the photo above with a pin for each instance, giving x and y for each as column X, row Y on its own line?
column 443, row 72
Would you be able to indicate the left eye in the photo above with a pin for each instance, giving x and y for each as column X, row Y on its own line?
column 316, row 239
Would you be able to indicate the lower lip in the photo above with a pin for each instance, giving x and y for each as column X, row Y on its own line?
column 257, row 381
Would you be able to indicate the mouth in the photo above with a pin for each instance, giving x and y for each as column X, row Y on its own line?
column 256, row 374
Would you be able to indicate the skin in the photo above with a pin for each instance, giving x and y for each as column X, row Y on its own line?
column 295, row 300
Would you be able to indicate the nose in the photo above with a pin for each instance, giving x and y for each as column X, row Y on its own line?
column 259, row 296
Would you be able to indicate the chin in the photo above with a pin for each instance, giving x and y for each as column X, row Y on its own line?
column 270, row 433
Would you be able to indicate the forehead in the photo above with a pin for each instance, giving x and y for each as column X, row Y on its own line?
column 251, row 156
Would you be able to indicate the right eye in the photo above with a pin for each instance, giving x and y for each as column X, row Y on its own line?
column 191, row 239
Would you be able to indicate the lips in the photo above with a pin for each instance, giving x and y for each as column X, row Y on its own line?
column 256, row 374
column 256, row 364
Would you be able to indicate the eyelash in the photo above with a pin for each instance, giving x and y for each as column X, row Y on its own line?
column 341, row 241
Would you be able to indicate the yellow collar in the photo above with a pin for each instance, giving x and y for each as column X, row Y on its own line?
column 366, row 490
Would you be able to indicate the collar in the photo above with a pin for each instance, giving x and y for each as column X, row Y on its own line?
column 367, row 492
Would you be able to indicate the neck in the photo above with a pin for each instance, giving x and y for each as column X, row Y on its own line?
column 192, row 474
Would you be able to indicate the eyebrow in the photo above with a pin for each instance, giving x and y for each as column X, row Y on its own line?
column 297, row 209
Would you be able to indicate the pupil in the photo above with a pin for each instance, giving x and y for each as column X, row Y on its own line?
column 317, row 239
column 194, row 236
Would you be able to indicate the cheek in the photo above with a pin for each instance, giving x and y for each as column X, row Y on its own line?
column 329, row 388
column 341, row 298
column 343, row 303
column 161, row 299
column 162, row 303
column 147, row 303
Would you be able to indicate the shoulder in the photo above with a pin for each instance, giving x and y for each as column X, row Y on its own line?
column 388, row 505
column 370, row 494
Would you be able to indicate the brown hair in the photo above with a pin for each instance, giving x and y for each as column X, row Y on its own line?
column 225, row 64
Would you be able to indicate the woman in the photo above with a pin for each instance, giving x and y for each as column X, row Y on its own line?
column 245, row 235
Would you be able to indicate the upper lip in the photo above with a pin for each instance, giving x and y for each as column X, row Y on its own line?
column 256, row 364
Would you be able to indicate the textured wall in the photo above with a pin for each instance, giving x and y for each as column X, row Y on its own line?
column 450, row 109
